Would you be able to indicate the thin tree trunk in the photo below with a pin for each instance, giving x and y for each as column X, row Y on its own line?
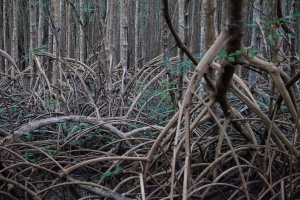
column 5, row 36
column 62, row 42
column 203, row 28
column 124, row 38
column 41, row 24
column 14, row 44
column 50, row 46
column 69, row 30
column 254, row 39
column 56, row 68
column 25, row 30
column 143, row 51
column 111, row 43
column 136, row 36
column 32, row 40
column 180, row 54
column 81, row 34
column 2, row 66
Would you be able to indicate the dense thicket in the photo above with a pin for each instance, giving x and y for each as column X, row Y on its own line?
column 170, row 99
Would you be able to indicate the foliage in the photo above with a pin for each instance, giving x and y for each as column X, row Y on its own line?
column 231, row 56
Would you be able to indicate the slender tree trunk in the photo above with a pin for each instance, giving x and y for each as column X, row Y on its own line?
column 69, row 30
column 193, row 27
column 41, row 24
column 2, row 66
column 32, row 40
column 203, row 27
column 143, row 51
column 111, row 43
column 14, row 44
column 50, row 45
column 136, row 36
column 255, row 38
column 124, row 38
column 210, row 29
column 26, row 35
column 5, row 35
column 56, row 68
column 180, row 54
column 62, row 45
column 210, row 36
column 40, row 31
column 81, row 34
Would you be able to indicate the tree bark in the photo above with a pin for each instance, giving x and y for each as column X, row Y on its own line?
column 124, row 38
column 255, row 39
column 81, row 34
column 56, row 68
column 14, row 44
column 136, row 36
column 32, row 40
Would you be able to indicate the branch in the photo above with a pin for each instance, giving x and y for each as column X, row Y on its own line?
column 91, row 187
column 175, row 35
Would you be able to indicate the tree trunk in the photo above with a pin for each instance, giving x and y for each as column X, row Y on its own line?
column 5, row 35
column 32, row 40
column 111, row 43
column 124, row 38
column 136, row 36
column 254, row 39
column 81, row 34
column 14, row 44
column 56, row 68
column 2, row 66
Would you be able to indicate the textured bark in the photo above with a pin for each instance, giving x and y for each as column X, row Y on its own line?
column 5, row 36
column 235, row 28
column 56, row 68
column 124, row 38
column 68, row 30
column 143, row 50
column 50, row 46
column 180, row 53
column 62, row 22
column 81, row 33
column 111, row 43
column 32, row 40
column 14, row 44
column 40, row 31
column 203, row 25
column 136, row 36
column 254, row 39
column 292, row 43
column 2, row 66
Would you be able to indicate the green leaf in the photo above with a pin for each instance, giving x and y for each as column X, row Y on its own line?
column 26, row 154
column 106, row 175
column 222, row 54
column 281, row 20
column 252, row 25
column 117, row 170
column 281, row 32
column 238, row 52
column 276, row 35
column 290, row 35
column 268, row 22
column 231, row 59
column 297, row 14
column 252, row 52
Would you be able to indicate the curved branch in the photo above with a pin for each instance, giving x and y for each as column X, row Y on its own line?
column 174, row 33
